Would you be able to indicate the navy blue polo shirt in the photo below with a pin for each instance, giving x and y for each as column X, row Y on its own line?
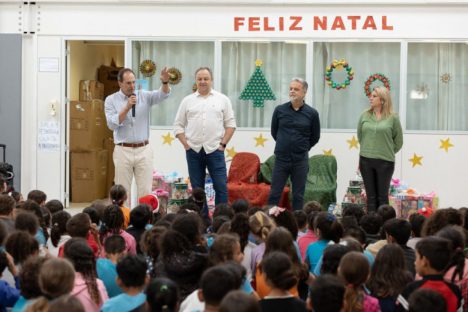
column 295, row 132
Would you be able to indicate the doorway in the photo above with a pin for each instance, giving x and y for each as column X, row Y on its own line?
column 92, row 67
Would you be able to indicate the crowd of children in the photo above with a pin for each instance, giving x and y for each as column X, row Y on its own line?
column 247, row 259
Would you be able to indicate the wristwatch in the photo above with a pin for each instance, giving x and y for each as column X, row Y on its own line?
column 222, row 144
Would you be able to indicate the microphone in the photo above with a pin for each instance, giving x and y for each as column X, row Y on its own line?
column 133, row 107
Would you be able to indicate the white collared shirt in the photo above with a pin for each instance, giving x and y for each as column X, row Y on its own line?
column 203, row 120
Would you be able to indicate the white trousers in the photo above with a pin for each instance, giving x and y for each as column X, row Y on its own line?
column 136, row 162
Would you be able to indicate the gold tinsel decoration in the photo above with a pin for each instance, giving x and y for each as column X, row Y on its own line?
column 445, row 78
column 174, row 75
column 147, row 68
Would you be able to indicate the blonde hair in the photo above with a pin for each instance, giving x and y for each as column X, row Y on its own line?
column 261, row 225
column 387, row 105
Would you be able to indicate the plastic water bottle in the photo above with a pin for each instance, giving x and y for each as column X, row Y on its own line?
column 331, row 208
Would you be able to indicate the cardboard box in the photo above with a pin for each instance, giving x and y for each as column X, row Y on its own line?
column 88, row 127
column 88, row 175
column 91, row 90
column 110, row 163
column 108, row 76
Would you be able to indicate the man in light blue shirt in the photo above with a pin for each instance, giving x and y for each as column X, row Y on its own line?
column 127, row 114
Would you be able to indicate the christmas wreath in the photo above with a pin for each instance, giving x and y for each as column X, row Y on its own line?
column 174, row 75
column 147, row 68
column 372, row 78
column 339, row 65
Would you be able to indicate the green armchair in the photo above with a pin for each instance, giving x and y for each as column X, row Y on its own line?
column 321, row 180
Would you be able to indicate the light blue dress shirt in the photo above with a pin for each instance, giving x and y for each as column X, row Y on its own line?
column 132, row 129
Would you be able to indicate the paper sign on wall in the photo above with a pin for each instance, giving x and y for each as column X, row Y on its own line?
column 49, row 64
column 49, row 136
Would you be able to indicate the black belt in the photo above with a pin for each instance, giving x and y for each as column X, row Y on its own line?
column 140, row 144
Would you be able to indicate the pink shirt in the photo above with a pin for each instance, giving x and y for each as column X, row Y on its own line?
column 371, row 304
column 457, row 281
column 80, row 292
column 129, row 242
column 304, row 242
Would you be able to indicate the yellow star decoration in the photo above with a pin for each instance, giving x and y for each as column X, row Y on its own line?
column 258, row 63
column 231, row 152
column 328, row 152
column 353, row 142
column 416, row 160
column 260, row 140
column 167, row 138
column 445, row 144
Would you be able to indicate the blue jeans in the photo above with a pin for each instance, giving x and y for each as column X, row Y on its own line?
column 216, row 164
column 298, row 170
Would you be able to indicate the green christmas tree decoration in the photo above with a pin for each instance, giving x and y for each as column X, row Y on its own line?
column 257, row 88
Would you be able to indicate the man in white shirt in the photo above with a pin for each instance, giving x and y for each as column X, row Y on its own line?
column 204, row 124
column 127, row 113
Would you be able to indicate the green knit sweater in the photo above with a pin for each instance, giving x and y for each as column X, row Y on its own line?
column 379, row 139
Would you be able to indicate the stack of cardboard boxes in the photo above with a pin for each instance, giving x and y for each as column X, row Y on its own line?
column 91, row 145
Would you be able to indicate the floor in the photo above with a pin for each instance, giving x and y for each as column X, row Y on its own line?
column 75, row 208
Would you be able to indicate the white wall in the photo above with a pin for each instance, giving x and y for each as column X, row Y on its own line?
column 445, row 173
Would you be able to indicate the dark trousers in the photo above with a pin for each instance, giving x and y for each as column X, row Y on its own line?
column 216, row 164
column 298, row 171
column 376, row 174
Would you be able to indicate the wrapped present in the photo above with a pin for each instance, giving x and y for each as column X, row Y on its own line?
column 406, row 204
column 163, row 197
column 430, row 200
column 158, row 180
column 180, row 191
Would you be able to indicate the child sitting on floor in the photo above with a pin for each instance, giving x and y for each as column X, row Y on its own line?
column 106, row 268
column 354, row 269
column 132, row 278
column 118, row 196
column 8, row 295
column 433, row 254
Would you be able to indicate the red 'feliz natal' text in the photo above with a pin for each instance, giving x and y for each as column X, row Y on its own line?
column 296, row 23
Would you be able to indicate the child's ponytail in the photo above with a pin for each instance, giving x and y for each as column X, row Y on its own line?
column 118, row 195
column 353, row 299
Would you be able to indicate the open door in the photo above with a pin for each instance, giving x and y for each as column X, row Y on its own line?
column 91, row 76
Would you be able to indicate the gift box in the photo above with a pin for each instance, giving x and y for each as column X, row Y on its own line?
column 405, row 205
column 180, row 191
column 163, row 198
column 158, row 181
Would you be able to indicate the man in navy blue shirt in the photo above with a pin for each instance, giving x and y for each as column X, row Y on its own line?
column 295, row 127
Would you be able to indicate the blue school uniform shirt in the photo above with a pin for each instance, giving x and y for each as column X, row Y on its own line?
column 8, row 295
column 366, row 253
column 40, row 237
column 107, row 272
column 124, row 302
column 22, row 304
column 314, row 252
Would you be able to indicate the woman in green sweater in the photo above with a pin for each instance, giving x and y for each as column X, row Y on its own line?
column 380, row 137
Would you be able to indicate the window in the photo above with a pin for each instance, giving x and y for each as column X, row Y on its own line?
column 437, row 86
column 281, row 62
column 183, row 55
column 340, row 109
